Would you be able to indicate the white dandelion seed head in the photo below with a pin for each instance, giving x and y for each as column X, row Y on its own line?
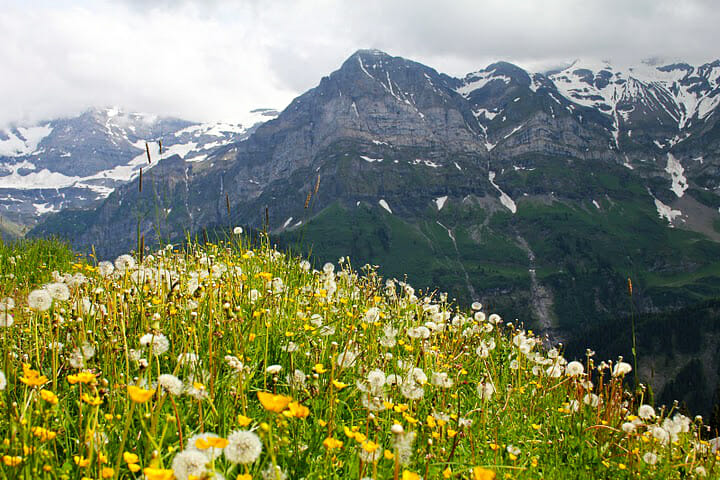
column 273, row 369
column 476, row 306
column 6, row 319
column 485, row 390
column 403, row 442
column 297, row 380
column 646, row 412
column 105, row 268
column 591, row 400
column 304, row 265
column 58, row 291
column 650, row 458
column 7, row 304
column 190, row 359
column 574, row 369
column 621, row 368
column 271, row 473
column 347, row 358
column 3, row 380
column 39, row 300
column 660, row 434
column 190, row 462
column 157, row 341
column 243, row 447
column 124, row 263
column 513, row 450
column 441, row 379
column 372, row 315
column 376, row 379
column 628, row 427
column 76, row 358
column 171, row 384
column 237, row 231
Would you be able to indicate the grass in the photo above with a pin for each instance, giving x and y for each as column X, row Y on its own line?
column 237, row 361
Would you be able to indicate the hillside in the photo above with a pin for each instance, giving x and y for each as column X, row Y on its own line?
column 238, row 361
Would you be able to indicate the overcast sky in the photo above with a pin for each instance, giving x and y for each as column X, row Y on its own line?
column 215, row 60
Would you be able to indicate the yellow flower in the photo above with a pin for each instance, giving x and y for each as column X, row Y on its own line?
column 447, row 473
column 91, row 400
column 370, row 446
column 244, row 421
column 339, row 385
column 130, row 458
column 272, row 402
column 319, row 368
column 331, row 443
column 139, row 395
column 80, row 461
column 81, row 377
column 11, row 461
column 479, row 473
column 133, row 467
column 297, row 410
column 49, row 397
column 388, row 455
column 32, row 378
column 408, row 475
column 207, row 442
column 107, row 472
column 158, row 473
column 43, row 433
column 244, row 476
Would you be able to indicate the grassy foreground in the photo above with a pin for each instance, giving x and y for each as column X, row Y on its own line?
column 222, row 361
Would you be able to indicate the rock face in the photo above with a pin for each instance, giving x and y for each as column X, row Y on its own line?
column 589, row 168
column 75, row 163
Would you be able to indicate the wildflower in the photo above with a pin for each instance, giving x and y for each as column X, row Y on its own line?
column 243, row 447
column 479, row 473
column 107, row 472
column 646, row 412
column 32, row 378
column 81, row 377
column 58, row 291
column 485, row 390
column 3, row 381
column 700, row 471
column 621, row 368
column 171, row 384
column 347, row 358
column 476, row 306
column 237, row 231
column 403, row 443
column 196, row 390
column 331, row 443
column 272, row 402
column 297, row 379
column 319, row 368
column 6, row 304
column 39, row 300
column 271, row 473
column 442, row 380
column 130, row 458
column 139, row 395
column 297, row 410
column 158, row 473
column 43, row 433
column 12, row 461
column 157, row 341
column 574, row 369
column 273, row 369
column 408, row 475
column 105, row 269
column 189, row 464
column 94, row 401
column 376, row 379
column 650, row 458
column 6, row 319
column 124, row 263
column 419, row 332
column 81, row 461
column 209, row 444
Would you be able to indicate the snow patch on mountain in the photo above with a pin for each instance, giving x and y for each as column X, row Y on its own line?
column 22, row 141
column 504, row 197
column 384, row 205
column 677, row 174
column 440, row 202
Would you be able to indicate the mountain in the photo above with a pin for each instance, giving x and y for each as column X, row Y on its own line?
column 538, row 194
column 75, row 163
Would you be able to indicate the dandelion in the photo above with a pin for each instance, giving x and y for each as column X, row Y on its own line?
column 650, row 458
column 646, row 412
column 621, row 369
column 347, row 358
column 105, row 268
column 7, row 304
column 479, row 473
column 574, row 369
column 243, row 447
column 171, row 384
column 58, row 291
column 46, row 395
column 403, row 444
column 237, row 231
column 39, row 300
column 442, row 380
column 157, row 341
column 6, row 319
column 297, row 380
column 485, row 390
column 273, row 369
column 124, row 263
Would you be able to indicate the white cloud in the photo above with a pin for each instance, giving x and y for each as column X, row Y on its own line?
column 205, row 60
